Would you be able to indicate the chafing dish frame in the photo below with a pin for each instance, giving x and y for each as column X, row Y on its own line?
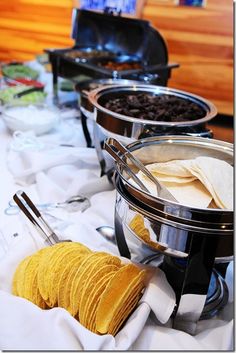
column 199, row 249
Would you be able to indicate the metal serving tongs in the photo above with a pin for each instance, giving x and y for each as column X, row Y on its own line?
column 114, row 147
column 33, row 214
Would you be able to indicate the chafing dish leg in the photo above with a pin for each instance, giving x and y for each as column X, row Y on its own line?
column 120, row 237
column 85, row 130
column 54, row 63
column 97, row 144
column 196, row 282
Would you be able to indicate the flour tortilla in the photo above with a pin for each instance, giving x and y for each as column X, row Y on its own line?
column 179, row 168
column 217, row 176
column 194, row 182
column 172, row 179
column 193, row 194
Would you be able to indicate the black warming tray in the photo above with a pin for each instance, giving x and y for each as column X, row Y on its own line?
column 105, row 36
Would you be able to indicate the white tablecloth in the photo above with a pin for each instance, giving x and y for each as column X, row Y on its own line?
column 55, row 173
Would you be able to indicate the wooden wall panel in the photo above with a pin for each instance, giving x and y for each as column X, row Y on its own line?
column 29, row 26
column 199, row 39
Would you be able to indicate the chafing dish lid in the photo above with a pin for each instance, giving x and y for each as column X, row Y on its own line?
column 94, row 29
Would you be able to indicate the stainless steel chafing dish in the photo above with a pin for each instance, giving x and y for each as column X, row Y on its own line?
column 127, row 128
column 99, row 37
column 192, row 240
column 135, row 128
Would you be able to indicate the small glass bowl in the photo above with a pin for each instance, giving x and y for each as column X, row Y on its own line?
column 38, row 118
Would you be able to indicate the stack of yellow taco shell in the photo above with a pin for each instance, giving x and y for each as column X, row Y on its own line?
column 95, row 287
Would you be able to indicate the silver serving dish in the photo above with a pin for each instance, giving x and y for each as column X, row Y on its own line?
column 199, row 238
column 168, row 213
column 134, row 128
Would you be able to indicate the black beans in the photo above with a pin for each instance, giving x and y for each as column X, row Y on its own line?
column 162, row 107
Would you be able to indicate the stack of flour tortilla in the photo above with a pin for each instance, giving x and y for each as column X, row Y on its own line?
column 201, row 182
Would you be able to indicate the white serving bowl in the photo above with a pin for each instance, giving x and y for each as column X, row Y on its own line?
column 38, row 118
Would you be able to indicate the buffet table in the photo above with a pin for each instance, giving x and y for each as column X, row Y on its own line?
column 52, row 168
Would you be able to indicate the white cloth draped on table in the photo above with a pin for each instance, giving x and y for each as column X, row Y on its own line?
column 54, row 173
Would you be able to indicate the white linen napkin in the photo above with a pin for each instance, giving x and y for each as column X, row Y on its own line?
column 25, row 164
column 57, row 172
column 159, row 296
column 24, row 326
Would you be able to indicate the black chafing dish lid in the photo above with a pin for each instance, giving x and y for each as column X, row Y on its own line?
column 119, row 35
